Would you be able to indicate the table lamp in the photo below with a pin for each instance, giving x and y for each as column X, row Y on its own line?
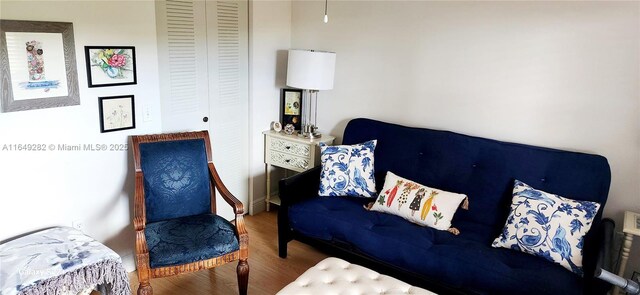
column 312, row 71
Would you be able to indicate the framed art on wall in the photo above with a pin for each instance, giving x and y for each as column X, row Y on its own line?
column 291, row 107
column 110, row 66
column 116, row 113
column 38, row 68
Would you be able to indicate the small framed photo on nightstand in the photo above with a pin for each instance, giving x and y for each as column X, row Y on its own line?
column 291, row 108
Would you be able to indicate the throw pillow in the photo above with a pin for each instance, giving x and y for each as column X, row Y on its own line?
column 547, row 225
column 347, row 170
column 418, row 203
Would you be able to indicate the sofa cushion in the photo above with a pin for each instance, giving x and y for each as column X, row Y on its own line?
column 466, row 261
column 547, row 225
column 417, row 203
column 347, row 170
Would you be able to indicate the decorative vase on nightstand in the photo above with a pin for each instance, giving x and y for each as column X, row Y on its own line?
column 289, row 129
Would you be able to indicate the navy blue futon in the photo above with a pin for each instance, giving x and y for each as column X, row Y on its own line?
column 483, row 169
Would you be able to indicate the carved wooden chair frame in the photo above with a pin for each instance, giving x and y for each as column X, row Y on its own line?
column 145, row 272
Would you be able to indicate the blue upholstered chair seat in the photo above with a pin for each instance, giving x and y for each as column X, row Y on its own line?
column 189, row 239
column 466, row 261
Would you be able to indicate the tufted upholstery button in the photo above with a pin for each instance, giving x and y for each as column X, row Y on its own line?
column 336, row 276
column 474, row 165
column 543, row 179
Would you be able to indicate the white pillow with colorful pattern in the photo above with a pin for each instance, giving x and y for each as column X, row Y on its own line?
column 548, row 226
column 418, row 203
column 347, row 170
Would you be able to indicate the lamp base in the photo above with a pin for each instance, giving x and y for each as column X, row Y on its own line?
column 310, row 131
column 310, row 135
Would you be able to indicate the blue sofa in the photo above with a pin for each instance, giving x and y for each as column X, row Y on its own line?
column 485, row 170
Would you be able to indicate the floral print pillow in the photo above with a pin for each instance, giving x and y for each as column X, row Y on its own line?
column 347, row 170
column 418, row 203
column 548, row 226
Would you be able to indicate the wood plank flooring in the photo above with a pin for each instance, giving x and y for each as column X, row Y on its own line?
column 268, row 272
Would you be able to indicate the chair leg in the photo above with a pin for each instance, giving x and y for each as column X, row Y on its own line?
column 145, row 289
column 142, row 263
column 243, row 276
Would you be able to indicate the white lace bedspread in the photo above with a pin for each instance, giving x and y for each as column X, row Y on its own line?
column 57, row 261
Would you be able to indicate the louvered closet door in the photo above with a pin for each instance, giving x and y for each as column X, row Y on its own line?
column 203, row 57
column 227, row 39
column 182, row 60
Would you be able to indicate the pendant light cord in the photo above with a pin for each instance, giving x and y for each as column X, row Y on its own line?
column 325, row 6
column 326, row 17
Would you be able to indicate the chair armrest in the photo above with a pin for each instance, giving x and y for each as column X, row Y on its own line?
column 139, row 214
column 299, row 187
column 237, row 206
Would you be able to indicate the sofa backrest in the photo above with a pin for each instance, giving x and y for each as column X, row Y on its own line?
column 481, row 168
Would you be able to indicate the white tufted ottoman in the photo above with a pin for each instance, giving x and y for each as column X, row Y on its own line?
column 336, row 276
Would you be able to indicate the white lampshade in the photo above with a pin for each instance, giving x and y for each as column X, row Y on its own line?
column 313, row 70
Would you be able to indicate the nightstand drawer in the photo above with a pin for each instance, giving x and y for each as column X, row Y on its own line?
column 290, row 147
column 288, row 161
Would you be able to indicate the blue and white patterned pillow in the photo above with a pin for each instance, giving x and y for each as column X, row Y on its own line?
column 548, row 226
column 347, row 170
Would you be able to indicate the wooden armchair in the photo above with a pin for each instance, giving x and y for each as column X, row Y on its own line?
column 177, row 229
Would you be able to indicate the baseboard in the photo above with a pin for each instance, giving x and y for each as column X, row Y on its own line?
column 258, row 206
column 128, row 262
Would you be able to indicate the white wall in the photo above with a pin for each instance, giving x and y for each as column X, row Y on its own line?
column 270, row 37
column 556, row 74
column 43, row 189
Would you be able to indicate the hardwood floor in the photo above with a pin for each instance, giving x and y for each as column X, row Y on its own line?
column 268, row 272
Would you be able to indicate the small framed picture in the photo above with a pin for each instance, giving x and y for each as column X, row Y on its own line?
column 116, row 113
column 291, row 107
column 110, row 66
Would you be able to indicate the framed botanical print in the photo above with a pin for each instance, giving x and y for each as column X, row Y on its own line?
column 291, row 107
column 116, row 113
column 110, row 65
column 38, row 68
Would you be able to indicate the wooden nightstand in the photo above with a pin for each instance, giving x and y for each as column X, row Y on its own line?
column 290, row 152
